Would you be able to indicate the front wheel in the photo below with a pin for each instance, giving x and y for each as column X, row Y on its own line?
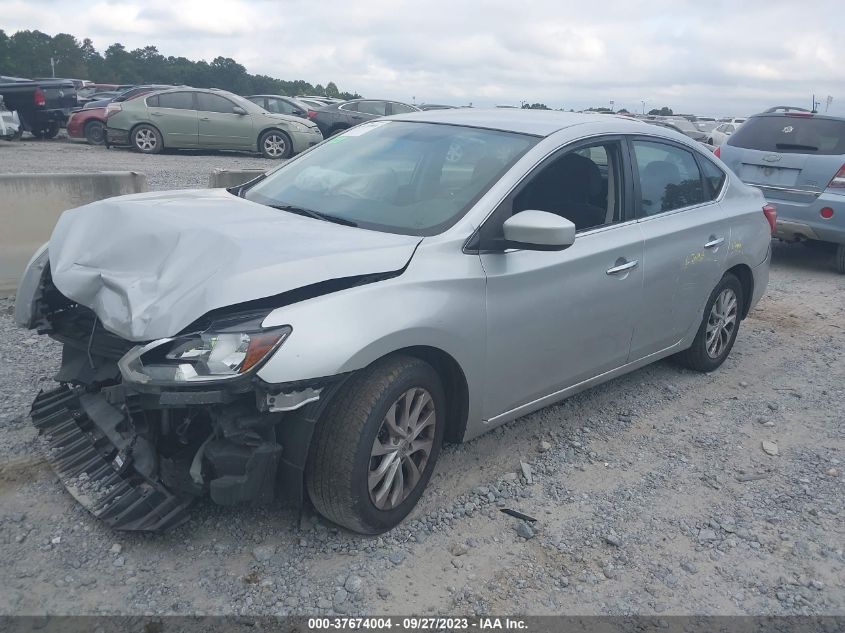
column 375, row 448
column 840, row 259
column 275, row 144
column 146, row 139
column 718, row 329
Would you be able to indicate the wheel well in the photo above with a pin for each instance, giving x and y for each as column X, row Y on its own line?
column 454, row 385
column 337, row 128
column 743, row 273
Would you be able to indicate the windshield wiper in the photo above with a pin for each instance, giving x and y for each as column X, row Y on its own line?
column 809, row 148
column 310, row 213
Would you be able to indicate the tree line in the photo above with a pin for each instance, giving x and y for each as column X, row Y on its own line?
column 29, row 53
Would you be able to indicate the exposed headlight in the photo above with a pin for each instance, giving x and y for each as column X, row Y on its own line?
column 201, row 357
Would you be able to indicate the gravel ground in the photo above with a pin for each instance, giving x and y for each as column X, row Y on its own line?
column 652, row 493
column 184, row 169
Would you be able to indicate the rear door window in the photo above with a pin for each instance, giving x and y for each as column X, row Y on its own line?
column 400, row 108
column 669, row 177
column 176, row 100
column 791, row 134
column 378, row 108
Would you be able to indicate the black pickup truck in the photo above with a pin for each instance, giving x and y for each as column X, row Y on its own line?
column 43, row 106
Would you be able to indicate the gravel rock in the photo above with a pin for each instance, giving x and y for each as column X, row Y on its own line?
column 263, row 553
column 354, row 583
column 524, row 530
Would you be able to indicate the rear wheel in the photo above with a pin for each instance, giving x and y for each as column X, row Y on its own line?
column 95, row 132
column 375, row 448
column 146, row 139
column 275, row 144
column 50, row 131
column 840, row 259
column 718, row 329
column 337, row 130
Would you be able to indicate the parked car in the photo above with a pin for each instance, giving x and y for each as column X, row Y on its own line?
column 43, row 106
column 282, row 105
column 337, row 117
column 321, row 99
column 435, row 106
column 10, row 124
column 183, row 118
column 323, row 329
column 90, row 122
column 683, row 126
column 735, row 120
column 126, row 93
column 721, row 133
column 797, row 159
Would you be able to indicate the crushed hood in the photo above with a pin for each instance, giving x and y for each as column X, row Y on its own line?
column 151, row 264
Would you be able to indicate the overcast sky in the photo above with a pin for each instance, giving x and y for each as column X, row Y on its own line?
column 704, row 57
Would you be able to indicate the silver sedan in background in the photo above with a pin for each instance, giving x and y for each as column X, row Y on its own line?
column 323, row 329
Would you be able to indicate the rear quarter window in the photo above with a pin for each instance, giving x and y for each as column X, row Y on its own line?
column 791, row 134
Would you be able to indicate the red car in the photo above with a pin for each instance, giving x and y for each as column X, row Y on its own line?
column 89, row 124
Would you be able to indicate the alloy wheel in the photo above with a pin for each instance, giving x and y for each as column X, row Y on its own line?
column 274, row 145
column 145, row 140
column 721, row 323
column 401, row 448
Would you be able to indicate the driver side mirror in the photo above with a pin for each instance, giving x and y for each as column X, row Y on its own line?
column 238, row 110
column 538, row 231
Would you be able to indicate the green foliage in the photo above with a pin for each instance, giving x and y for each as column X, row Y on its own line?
column 664, row 111
column 28, row 53
column 535, row 106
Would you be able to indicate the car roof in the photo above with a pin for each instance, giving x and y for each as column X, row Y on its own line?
column 798, row 114
column 534, row 122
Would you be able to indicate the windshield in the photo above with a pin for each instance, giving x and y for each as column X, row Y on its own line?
column 394, row 176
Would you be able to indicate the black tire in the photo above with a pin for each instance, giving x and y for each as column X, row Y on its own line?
column 340, row 460
column 95, row 132
column 275, row 145
column 51, row 131
column 840, row 259
column 697, row 357
column 338, row 130
column 146, row 139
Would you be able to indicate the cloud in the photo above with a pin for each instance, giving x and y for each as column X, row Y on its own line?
column 704, row 57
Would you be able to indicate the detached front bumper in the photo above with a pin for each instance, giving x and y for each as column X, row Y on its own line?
column 95, row 470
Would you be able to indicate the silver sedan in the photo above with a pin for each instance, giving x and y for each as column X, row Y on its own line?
column 423, row 278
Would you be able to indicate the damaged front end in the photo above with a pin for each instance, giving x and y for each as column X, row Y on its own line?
column 137, row 432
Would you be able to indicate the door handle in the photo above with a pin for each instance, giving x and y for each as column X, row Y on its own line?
column 155, row 113
column 621, row 268
column 205, row 118
column 714, row 242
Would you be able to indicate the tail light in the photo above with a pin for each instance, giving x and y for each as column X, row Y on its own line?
column 771, row 215
column 838, row 181
column 312, row 114
column 717, row 152
column 826, row 213
column 38, row 98
column 112, row 108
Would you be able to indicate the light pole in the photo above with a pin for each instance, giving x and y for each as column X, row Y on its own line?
column 643, row 107
column 611, row 105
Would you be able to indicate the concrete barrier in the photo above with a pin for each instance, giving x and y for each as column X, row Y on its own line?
column 30, row 205
column 232, row 177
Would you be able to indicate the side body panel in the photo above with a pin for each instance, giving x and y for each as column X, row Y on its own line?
column 557, row 318
column 437, row 302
